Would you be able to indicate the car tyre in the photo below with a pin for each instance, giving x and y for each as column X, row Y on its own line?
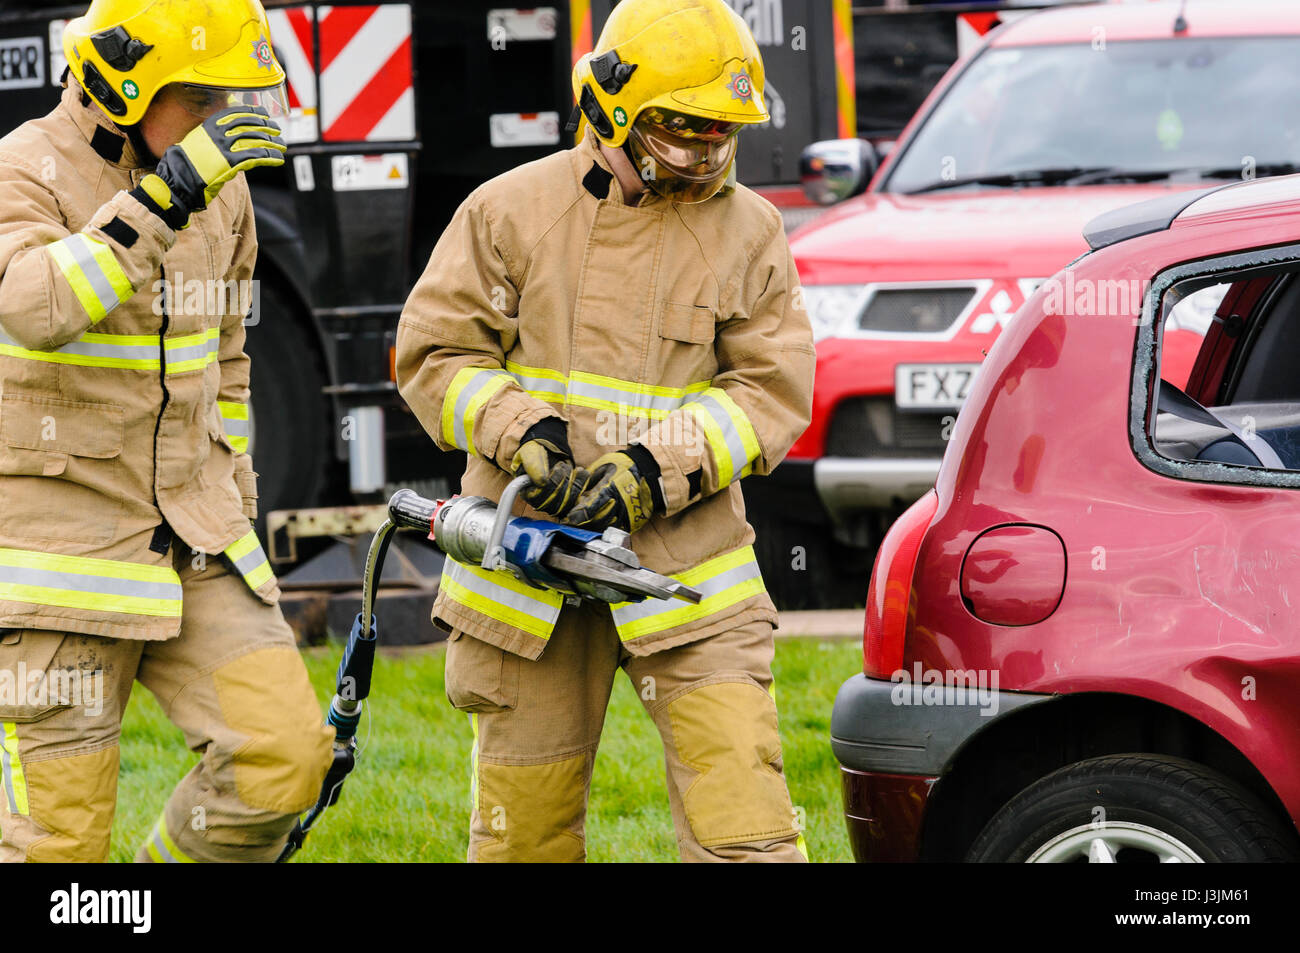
column 1134, row 808
column 291, row 445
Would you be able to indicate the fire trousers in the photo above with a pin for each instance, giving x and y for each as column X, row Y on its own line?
column 537, row 725
column 233, row 681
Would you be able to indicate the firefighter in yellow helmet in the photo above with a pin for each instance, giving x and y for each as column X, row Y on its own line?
column 621, row 322
column 126, row 488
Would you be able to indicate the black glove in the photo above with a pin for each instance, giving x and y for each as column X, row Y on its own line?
column 192, row 172
column 623, row 491
column 544, row 455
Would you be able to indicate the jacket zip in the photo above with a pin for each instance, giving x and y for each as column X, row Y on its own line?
column 162, row 377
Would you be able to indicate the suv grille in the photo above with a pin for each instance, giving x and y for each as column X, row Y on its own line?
column 915, row 310
column 874, row 427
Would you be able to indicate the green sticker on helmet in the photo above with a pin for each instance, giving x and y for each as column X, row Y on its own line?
column 130, row 90
column 620, row 115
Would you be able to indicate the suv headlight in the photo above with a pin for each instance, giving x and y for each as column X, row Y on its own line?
column 833, row 309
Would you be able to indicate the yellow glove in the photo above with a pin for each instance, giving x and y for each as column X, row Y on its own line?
column 192, row 172
column 623, row 491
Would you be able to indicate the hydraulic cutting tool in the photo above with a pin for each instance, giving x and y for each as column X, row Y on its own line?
column 580, row 563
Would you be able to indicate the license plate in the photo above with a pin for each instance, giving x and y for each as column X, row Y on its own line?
column 932, row 386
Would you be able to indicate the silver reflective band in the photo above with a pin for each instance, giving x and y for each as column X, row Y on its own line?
column 544, row 609
column 246, row 564
column 649, row 402
column 100, row 585
column 79, row 246
column 740, row 457
column 193, row 356
column 93, row 349
column 475, row 384
column 249, row 560
column 637, row 611
column 7, row 775
column 235, row 427
column 543, row 387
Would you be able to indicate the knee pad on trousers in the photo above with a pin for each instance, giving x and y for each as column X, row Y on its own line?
column 267, row 696
column 70, row 802
column 533, row 812
column 726, row 732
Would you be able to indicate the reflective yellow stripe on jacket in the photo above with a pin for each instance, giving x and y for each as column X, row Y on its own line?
column 501, row 596
column 92, row 271
column 598, row 392
column 724, row 581
column 131, row 352
column 234, row 419
column 161, row 848
column 192, row 352
column 250, row 560
column 469, row 390
column 11, row 771
column 79, row 582
column 731, row 436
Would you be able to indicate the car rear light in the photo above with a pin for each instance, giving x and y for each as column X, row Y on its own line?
column 890, row 593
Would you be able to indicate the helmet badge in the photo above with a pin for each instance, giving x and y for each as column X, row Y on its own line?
column 620, row 116
column 741, row 87
column 262, row 53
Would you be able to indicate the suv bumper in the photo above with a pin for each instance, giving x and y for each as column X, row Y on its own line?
column 892, row 747
column 848, row 484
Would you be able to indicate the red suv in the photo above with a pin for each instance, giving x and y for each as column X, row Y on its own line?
column 1081, row 645
column 1056, row 118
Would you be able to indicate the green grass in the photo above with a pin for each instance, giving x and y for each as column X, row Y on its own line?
column 408, row 799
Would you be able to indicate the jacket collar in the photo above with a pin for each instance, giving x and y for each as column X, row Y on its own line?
column 594, row 168
column 591, row 159
column 103, row 135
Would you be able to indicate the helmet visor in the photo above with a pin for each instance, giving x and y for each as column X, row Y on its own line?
column 205, row 101
column 682, row 157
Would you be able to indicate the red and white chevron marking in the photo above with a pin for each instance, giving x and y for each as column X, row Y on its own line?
column 365, row 73
column 295, row 47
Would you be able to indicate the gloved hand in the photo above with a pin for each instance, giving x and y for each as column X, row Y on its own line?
column 545, row 456
column 192, row 172
column 623, row 491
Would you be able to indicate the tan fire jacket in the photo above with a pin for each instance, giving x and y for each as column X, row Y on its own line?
column 679, row 327
column 123, row 410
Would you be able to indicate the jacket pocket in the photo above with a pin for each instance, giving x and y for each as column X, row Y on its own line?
column 61, row 427
column 688, row 323
column 223, row 256
column 75, row 443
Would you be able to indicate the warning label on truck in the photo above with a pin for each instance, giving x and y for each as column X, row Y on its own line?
column 355, row 173
column 22, row 62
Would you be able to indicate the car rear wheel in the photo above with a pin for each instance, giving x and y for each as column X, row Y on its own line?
column 1134, row 808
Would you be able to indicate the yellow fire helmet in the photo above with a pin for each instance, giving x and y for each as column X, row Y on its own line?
column 690, row 57
column 123, row 52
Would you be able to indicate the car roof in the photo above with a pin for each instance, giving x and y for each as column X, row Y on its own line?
column 1277, row 195
column 1152, row 21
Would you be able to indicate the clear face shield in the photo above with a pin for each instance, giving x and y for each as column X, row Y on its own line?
column 205, row 101
column 682, row 157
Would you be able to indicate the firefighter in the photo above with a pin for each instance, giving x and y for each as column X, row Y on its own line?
column 621, row 322
column 126, row 550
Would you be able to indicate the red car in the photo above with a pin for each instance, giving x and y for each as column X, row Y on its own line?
column 1081, row 645
column 1056, row 118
